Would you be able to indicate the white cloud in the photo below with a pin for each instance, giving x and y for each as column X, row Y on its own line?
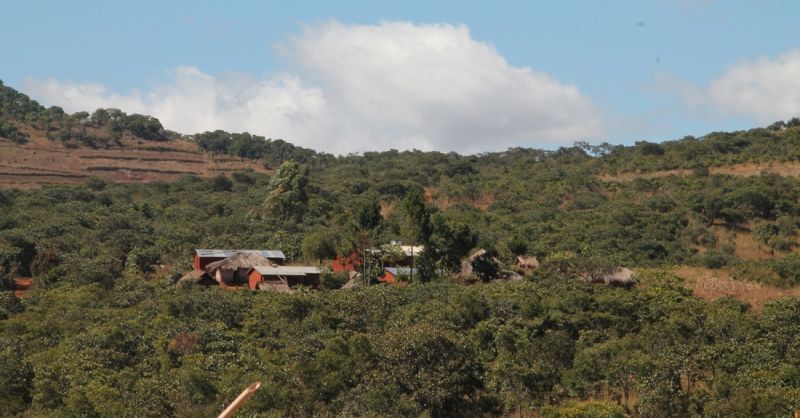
column 764, row 89
column 366, row 87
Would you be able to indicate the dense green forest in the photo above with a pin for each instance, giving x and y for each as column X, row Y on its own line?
column 106, row 332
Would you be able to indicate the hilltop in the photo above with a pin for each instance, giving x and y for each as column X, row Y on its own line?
column 41, row 145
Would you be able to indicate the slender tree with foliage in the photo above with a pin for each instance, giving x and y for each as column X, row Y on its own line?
column 416, row 225
column 319, row 245
column 365, row 224
column 287, row 194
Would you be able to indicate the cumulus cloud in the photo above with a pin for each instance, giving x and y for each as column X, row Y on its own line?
column 353, row 88
column 764, row 89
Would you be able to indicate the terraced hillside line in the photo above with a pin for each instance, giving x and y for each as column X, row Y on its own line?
column 33, row 183
column 165, row 149
column 787, row 169
column 25, row 169
column 176, row 146
column 139, row 169
column 43, row 175
column 138, row 158
column 43, row 161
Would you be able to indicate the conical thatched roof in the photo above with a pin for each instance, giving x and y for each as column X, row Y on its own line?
column 354, row 281
column 239, row 261
column 620, row 277
column 466, row 264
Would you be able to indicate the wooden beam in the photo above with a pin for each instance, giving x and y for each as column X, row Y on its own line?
column 237, row 403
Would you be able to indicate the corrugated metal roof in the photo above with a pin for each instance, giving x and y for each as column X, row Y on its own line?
column 286, row 270
column 403, row 271
column 407, row 250
column 228, row 253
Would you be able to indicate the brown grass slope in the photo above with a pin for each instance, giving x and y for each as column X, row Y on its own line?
column 43, row 161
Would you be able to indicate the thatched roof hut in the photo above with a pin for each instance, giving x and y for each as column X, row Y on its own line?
column 355, row 280
column 239, row 261
column 620, row 277
column 466, row 264
column 527, row 262
column 233, row 270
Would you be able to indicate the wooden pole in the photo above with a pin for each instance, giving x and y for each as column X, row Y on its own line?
column 237, row 403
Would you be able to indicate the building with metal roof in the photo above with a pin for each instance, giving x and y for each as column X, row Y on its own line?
column 273, row 277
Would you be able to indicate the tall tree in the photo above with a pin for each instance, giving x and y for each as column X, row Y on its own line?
column 319, row 245
column 452, row 242
column 417, row 225
column 365, row 223
column 287, row 195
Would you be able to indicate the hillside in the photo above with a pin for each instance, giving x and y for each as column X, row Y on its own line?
column 41, row 146
column 41, row 161
column 709, row 226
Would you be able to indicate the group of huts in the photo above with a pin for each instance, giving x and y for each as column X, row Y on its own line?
column 266, row 269
column 525, row 264
column 397, row 262
column 255, row 269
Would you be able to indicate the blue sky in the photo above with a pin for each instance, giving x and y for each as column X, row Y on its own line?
column 615, row 71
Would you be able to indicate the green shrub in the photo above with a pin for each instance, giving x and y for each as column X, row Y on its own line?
column 712, row 259
column 585, row 409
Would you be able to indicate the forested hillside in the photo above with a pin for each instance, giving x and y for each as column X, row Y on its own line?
column 105, row 331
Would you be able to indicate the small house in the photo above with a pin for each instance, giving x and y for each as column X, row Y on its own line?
column 466, row 264
column 392, row 274
column 620, row 277
column 399, row 255
column 527, row 262
column 349, row 263
column 203, row 257
column 282, row 278
column 234, row 270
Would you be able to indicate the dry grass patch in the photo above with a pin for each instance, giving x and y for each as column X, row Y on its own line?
column 714, row 284
column 788, row 169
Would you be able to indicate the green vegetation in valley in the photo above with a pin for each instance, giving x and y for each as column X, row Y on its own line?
column 105, row 331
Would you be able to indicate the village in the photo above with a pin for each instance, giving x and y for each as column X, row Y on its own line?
column 266, row 270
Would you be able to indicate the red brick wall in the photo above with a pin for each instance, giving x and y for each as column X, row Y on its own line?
column 253, row 279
